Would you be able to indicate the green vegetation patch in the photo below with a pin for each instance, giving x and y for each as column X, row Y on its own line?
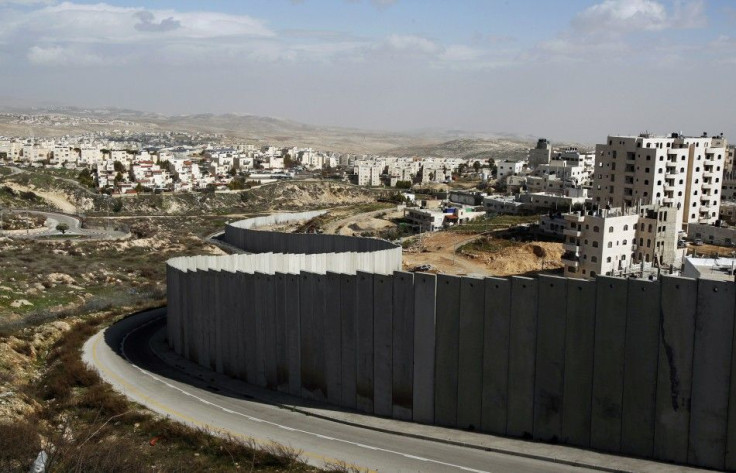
column 493, row 223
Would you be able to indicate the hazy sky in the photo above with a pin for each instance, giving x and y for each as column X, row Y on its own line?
column 568, row 69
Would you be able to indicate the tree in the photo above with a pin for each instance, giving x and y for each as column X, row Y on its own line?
column 289, row 162
column 236, row 184
column 403, row 184
column 62, row 227
column 85, row 178
column 118, row 167
column 476, row 166
column 492, row 164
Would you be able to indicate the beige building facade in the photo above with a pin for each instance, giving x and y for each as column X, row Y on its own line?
column 684, row 173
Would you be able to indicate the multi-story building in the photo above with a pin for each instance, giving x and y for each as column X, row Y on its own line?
column 509, row 168
column 684, row 173
column 541, row 154
column 617, row 241
column 369, row 175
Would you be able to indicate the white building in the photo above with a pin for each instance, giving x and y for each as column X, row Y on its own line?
column 369, row 175
column 618, row 241
column 426, row 220
column 509, row 168
column 684, row 173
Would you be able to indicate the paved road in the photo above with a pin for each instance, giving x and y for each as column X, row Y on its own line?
column 53, row 219
column 124, row 357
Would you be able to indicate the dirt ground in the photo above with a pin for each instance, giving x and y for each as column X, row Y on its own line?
column 56, row 199
column 439, row 250
column 710, row 250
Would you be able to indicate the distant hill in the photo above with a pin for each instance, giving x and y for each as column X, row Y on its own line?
column 480, row 149
column 65, row 120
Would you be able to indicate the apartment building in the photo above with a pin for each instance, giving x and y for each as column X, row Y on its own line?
column 369, row 175
column 684, row 173
column 617, row 241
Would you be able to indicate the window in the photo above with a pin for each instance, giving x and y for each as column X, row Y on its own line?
column 594, row 259
column 596, row 229
column 610, row 244
column 595, row 244
column 592, row 274
column 626, row 227
column 610, row 229
column 624, row 242
column 608, row 260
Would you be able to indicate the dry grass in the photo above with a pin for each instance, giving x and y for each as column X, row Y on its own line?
column 84, row 425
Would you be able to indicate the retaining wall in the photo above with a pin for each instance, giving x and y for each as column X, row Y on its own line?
column 625, row 366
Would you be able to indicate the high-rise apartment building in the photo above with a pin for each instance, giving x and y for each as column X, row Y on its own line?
column 684, row 173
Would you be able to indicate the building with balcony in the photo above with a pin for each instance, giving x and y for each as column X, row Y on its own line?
column 620, row 241
column 684, row 173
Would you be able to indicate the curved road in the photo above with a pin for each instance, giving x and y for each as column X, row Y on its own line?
column 53, row 219
column 124, row 357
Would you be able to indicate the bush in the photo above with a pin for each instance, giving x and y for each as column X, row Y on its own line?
column 28, row 195
column 19, row 444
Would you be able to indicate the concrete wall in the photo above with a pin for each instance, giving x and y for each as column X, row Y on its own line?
column 625, row 366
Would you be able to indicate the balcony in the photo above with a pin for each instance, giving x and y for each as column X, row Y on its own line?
column 669, row 187
column 704, row 220
column 569, row 259
column 707, row 185
column 574, row 217
column 572, row 232
column 570, row 247
column 671, row 171
column 710, row 173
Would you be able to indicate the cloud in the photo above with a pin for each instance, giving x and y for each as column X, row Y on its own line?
column 147, row 22
column 102, row 23
column 65, row 56
column 624, row 30
column 612, row 17
column 26, row 2
column 411, row 43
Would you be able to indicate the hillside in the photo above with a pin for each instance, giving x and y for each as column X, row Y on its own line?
column 40, row 190
column 254, row 129
column 480, row 149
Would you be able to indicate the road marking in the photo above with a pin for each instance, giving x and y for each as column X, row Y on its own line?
column 149, row 401
column 254, row 419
